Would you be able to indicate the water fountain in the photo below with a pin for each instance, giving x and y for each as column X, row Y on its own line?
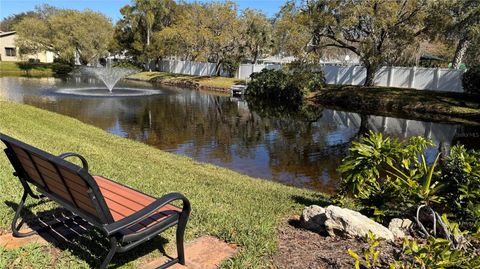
column 110, row 76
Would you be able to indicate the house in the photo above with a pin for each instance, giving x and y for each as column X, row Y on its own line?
column 10, row 52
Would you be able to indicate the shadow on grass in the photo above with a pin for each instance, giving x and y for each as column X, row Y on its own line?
column 69, row 232
column 318, row 199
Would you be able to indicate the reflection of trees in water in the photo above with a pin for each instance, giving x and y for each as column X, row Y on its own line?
column 209, row 127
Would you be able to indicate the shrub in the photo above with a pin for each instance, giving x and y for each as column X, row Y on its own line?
column 471, row 80
column 61, row 69
column 274, row 86
column 431, row 253
column 384, row 174
column 127, row 64
column 309, row 76
column 461, row 180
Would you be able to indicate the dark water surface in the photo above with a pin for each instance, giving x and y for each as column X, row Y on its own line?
column 292, row 149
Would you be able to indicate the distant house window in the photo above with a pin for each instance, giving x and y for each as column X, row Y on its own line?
column 10, row 52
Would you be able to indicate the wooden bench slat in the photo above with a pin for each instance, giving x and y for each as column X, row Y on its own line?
column 123, row 201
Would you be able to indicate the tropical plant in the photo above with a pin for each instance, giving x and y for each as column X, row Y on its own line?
column 461, row 178
column 370, row 254
column 431, row 253
column 436, row 253
column 384, row 173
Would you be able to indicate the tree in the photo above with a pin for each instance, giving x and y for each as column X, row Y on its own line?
column 372, row 29
column 457, row 21
column 225, row 37
column 257, row 33
column 135, row 31
column 67, row 33
column 206, row 32
column 188, row 36
column 8, row 23
column 290, row 34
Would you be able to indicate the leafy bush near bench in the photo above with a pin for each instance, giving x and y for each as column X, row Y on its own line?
column 471, row 80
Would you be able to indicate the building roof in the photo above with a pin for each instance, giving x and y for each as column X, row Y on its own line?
column 2, row 34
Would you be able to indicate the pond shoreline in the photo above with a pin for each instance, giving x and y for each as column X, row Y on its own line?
column 213, row 84
column 423, row 105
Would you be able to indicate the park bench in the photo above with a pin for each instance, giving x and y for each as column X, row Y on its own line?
column 126, row 216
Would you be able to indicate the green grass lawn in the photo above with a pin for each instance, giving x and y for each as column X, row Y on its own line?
column 233, row 207
column 217, row 82
column 32, row 69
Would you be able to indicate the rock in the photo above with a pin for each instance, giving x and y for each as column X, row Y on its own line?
column 313, row 218
column 399, row 226
column 349, row 223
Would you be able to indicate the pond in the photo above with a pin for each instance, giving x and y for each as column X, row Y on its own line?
column 291, row 149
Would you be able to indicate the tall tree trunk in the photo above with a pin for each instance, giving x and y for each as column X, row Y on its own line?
column 148, row 36
column 460, row 52
column 217, row 68
column 370, row 79
column 363, row 129
column 255, row 54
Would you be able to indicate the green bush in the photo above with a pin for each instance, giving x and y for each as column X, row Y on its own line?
column 284, row 86
column 471, row 80
column 382, row 174
column 274, row 86
column 61, row 68
column 128, row 65
column 461, row 181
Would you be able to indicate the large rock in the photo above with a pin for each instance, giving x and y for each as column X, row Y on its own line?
column 346, row 222
column 313, row 218
column 399, row 227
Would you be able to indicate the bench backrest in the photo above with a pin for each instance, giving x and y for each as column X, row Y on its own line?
column 64, row 182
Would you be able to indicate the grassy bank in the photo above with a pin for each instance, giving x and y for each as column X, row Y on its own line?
column 236, row 208
column 32, row 69
column 420, row 104
column 195, row 82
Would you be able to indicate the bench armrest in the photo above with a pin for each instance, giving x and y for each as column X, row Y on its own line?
column 72, row 154
column 147, row 211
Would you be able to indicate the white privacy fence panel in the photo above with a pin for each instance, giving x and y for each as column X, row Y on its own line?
column 436, row 79
column 402, row 77
column 188, row 68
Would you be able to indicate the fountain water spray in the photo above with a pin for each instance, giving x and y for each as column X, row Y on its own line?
column 109, row 75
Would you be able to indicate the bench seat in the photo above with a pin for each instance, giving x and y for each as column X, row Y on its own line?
column 123, row 201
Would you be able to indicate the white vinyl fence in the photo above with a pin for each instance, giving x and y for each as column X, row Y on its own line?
column 437, row 79
column 189, row 68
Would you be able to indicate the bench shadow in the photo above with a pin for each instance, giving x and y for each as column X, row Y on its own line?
column 69, row 232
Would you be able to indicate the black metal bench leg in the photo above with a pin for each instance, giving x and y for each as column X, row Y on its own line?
column 15, row 229
column 182, row 223
column 113, row 250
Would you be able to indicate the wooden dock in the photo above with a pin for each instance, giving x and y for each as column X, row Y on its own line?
column 237, row 90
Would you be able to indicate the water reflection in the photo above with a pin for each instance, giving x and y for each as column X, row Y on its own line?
column 297, row 149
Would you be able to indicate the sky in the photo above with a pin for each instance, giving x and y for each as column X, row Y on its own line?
column 111, row 7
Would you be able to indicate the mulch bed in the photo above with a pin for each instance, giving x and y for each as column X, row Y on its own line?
column 301, row 248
